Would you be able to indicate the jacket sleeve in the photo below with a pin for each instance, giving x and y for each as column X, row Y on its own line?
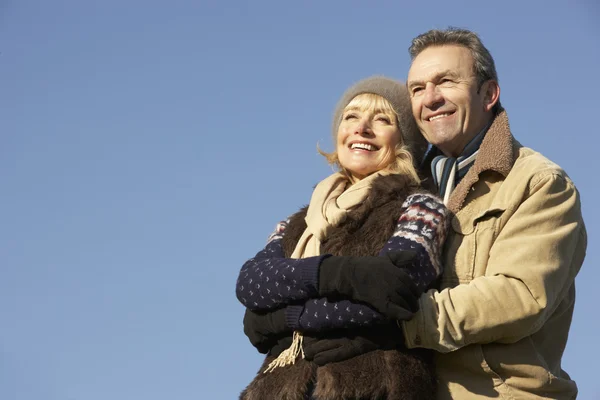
column 269, row 280
column 531, row 266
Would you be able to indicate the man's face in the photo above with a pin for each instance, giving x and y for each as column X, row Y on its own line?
column 447, row 104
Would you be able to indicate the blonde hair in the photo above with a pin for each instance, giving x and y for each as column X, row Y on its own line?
column 370, row 102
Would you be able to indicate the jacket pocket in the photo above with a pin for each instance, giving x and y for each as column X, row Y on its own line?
column 523, row 371
column 487, row 225
column 469, row 248
column 491, row 372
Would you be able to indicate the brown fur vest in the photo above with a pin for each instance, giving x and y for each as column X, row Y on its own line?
column 379, row 375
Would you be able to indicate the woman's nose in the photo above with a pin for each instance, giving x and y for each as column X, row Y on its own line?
column 363, row 127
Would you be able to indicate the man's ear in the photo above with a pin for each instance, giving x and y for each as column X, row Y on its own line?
column 491, row 94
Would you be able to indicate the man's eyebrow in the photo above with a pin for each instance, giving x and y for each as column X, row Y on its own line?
column 414, row 83
column 447, row 73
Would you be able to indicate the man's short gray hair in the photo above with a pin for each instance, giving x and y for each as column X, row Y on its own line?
column 483, row 62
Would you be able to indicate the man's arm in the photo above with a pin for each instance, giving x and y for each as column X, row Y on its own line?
column 531, row 266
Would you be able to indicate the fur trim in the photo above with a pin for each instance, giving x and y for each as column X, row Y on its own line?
column 497, row 153
column 295, row 229
column 401, row 375
column 298, row 379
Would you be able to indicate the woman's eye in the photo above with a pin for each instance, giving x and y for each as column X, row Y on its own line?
column 384, row 118
column 349, row 116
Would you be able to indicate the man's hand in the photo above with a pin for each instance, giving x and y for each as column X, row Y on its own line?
column 282, row 344
column 343, row 345
column 264, row 329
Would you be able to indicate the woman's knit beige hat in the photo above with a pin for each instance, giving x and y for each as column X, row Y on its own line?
column 396, row 93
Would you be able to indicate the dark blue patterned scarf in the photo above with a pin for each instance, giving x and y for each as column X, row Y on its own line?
column 448, row 171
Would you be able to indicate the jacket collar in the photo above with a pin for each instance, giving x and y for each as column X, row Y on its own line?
column 497, row 153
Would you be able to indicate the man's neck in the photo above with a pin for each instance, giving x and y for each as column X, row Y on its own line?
column 466, row 143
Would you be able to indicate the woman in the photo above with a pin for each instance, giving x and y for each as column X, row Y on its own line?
column 341, row 273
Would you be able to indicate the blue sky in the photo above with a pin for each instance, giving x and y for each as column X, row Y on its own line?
column 148, row 148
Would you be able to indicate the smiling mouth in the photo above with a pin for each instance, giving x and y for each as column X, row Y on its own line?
column 363, row 146
column 431, row 119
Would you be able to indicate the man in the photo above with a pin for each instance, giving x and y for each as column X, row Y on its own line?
column 501, row 319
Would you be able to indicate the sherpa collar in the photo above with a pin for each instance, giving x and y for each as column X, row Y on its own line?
column 497, row 153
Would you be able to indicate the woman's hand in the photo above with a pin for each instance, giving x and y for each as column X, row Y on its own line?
column 377, row 281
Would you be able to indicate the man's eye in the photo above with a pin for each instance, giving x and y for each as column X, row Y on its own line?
column 416, row 90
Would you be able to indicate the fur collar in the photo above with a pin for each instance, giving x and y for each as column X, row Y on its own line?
column 497, row 153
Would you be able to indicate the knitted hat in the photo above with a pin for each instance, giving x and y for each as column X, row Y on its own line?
column 396, row 93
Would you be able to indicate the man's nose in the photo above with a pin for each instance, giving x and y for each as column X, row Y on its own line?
column 433, row 97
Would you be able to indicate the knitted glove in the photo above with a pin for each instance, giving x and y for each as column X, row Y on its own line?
column 377, row 281
column 263, row 329
column 345, row 345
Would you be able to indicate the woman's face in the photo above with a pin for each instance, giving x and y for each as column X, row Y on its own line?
column 367, row 138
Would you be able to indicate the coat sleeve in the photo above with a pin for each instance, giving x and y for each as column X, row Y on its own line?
column 531, row 266
column 269, row 280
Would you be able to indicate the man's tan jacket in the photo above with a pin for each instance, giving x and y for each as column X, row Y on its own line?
column 501, row 319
